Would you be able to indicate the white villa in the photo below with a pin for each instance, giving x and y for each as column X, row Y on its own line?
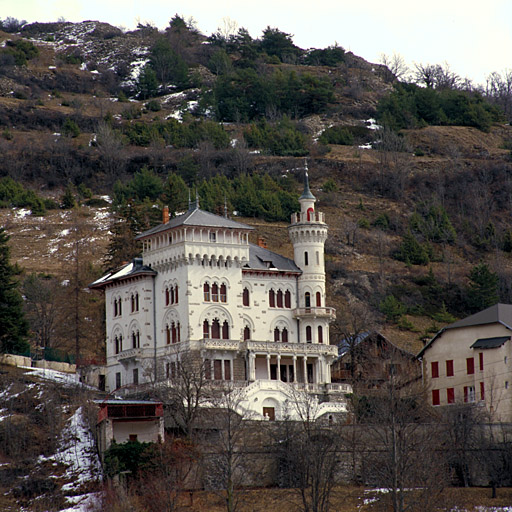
column 256, row 318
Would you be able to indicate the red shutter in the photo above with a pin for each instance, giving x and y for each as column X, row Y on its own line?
column 435, row 397
column 481, row 361
column 449, row 368
column 482, row 391
column 470, row 365
column 450, row 395
column 435, row 369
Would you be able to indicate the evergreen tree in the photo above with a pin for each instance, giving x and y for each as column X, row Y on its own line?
column 483, row 289
column 13, row 325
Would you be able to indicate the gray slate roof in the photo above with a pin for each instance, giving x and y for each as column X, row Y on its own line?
column 196, row 217
column 263, row 259
column 499, row 313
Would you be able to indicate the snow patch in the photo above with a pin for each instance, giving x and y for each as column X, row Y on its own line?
column 22, row 213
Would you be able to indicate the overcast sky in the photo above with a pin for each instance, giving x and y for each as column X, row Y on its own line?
column 473, row 37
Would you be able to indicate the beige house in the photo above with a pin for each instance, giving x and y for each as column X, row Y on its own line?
column 470, row 361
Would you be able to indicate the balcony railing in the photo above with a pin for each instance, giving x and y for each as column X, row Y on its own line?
column 329, row 313
column 291, row 348
column 128, row 355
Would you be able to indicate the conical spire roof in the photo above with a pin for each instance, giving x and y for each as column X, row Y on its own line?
column 307, row 192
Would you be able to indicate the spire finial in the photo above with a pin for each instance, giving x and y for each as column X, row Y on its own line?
column 307, row 191
column 197, row 200
column 189, row 200
column 225, row 207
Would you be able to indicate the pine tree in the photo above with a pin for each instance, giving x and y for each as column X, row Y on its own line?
column 13, row 325
column 483, row 289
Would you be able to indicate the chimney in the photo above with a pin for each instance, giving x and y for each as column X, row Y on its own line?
column 165, row 215
column 262, row 242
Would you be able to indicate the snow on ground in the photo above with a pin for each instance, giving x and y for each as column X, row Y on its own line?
column 371, row 124
column 84, row 502
column 21, row 213
column 69, row 379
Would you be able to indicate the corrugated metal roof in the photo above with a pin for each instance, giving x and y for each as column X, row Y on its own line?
column 196, row 217
column 263, row 259
column 490, row 342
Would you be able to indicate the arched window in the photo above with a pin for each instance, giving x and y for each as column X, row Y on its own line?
column 206, row 330
column 216, row 329
column 115, row 307
column 272, row 299
column 171, row 295
column 318, row 300
column 215, row 292
column 247, row 333
column 136, row 301
column 119, row 307
column 317, row 258
column 206, row 289
column 307, row 299
column 287, row 299
column 173, row 332
column 116, row 343
column 178, row 328
column 132, row 300
column 176, row 294
column 320, row 334
column 167, row 335
column 277, row 334
column 284, row 335
column 167, row 296
column 223, row 295
column 134, row 340
column 225, row 330
column 308, row 334
column 279, row 299
column 306, row 258
column 245, row 297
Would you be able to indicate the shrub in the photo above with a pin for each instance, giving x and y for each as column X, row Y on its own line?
column 330, row 186
column 70, row 128
column 153, row 106
column 382, row 221
column 392, row 308
column 22, row 51
column 411, row 251
column 363, row 223
column 337, row 135
column 282, row 139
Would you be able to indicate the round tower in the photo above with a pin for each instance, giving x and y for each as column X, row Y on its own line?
column 308, row 233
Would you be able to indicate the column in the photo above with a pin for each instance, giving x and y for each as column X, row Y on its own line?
column 252, row 366
column 278, row 367
column 294, row 368
column 268, row 366
column 305, row 369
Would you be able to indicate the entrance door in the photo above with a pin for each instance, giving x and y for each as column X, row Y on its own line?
column 270, row 412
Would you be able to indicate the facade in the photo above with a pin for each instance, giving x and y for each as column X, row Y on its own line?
column 120, row 421
column 470, row 361
column 369, row 360
column 251, row 315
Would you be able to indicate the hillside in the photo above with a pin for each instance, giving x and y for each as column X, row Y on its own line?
column 93, row 105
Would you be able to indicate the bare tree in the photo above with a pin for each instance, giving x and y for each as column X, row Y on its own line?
column 225, row 462
column 186, row 393
column 110, row 148
column 43, row 299
column 402, row 447
column 396, row 65
column 437, row 76
column 499, row 89
column 308, row 453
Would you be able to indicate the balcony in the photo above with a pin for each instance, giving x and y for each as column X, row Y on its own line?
column 329, row 313
column 132, row 354
column 220, row 344
column 298, row 349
